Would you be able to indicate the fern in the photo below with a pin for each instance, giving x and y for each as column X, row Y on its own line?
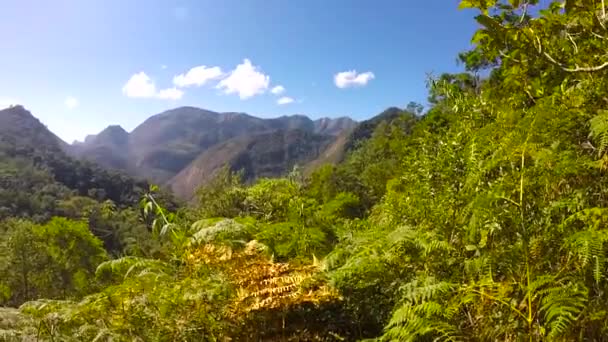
column 418, row 292
column 225, row 231
column 561, row 306
column 599, row 131
column 128, row 266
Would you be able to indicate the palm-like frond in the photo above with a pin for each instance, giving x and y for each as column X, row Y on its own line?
column 130, row 265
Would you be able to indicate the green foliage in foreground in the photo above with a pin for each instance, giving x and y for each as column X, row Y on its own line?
column 55, row 260
column 483, row 220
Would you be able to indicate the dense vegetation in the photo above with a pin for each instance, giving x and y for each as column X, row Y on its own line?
column 483, row 219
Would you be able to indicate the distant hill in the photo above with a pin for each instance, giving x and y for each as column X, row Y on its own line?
column 335, row 126
column 263, row 155
column 166, row 143
column 108, row 148
column 19, row 127
column 184, row 147
column 274, row 154
column 366, row 128
column 349, row 139
column 35, row 169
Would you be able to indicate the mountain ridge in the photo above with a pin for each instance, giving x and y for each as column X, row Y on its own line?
column 166, row 143
column 182, row 148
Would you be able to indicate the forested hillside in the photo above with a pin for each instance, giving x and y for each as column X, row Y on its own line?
column 38, row 181
column 484, row 219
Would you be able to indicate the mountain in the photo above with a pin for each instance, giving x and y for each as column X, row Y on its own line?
column 334, row 153
column 335, row 126
column 352, row 136
column 36, row 172
column 366, row 128
column 184, row 147
column 263, row 155
column 19, row 127
column 274, row 154
column 108, row 148
column 166, row 143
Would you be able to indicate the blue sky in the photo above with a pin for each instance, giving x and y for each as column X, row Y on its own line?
column 82, row 65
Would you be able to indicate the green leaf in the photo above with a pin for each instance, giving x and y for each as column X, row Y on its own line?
column 464, row 4
column 514, row 3
column 489, row 22
column 479, row 36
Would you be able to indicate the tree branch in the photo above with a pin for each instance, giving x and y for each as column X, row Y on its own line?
column 562, row 66
column 576, row 68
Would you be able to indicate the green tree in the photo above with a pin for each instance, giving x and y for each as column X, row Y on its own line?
column 55, row 260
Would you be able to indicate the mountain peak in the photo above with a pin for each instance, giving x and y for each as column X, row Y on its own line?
column 15, row 111
column 334, row 126
column 113, row 135
column 19, row 125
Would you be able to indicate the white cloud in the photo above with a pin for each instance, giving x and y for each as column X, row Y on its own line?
column 139, row 86
column 197, row 76
column 163, row 67
column 71, row 102
column 284, row 100
column 350, row 78
column 246, row 80
column 278, row 90
column 6, row 102
column 170, row 94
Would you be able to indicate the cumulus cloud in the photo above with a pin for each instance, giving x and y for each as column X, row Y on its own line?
column 170, row 94
column 139, row 85
column 351, row 78
column 197, row 76
column 284, row 100
column 142, row 86
column 246, row 80
column 71, row 102
column 278, row 90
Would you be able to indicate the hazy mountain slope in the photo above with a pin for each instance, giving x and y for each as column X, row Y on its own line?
column 108, row 148
column 335, row 126
column 334, row 153
column 166, row 143
column 20, row 127
column 366, row 128
column 34, row 164
column 263, row 155
column 353, row 135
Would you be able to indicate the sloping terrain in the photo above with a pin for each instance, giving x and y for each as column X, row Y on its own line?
column 166, row 143
column 264, row 155
column 35, row 170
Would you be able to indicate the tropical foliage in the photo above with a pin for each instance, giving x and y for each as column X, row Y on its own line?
column 482, row 219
